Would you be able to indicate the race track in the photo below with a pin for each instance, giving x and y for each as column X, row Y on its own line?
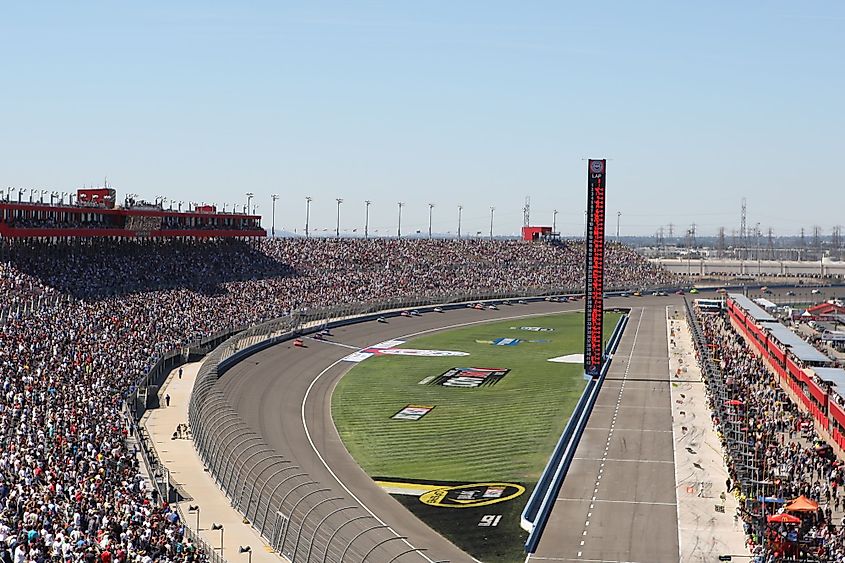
column 284, row 393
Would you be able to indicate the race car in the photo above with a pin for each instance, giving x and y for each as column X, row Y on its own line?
column 694, row 291
column 415, row 313
column 478, row 306
column 381, row 320
column 493, row 307
column 438, row 309
column 405, row 314
column 522, row 302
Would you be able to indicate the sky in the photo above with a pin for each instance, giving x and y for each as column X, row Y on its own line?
column 479, row 104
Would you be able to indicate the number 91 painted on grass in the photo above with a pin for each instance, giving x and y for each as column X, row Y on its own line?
column 472, row 496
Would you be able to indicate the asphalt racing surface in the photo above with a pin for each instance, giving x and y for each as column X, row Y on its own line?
column 284, row 393
column 618, row 501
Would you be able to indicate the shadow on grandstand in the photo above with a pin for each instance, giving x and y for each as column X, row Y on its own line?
column 96, row 269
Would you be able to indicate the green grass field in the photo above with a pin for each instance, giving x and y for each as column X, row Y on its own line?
column 504, row 432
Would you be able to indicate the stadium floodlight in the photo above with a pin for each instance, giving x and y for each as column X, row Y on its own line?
column 367, row 203
column 307, row 213
column 492, row 209
column 460, row 212
column 339, row 201
column 249, row 196
column 274, row 197
column 399, row 228
column 430, row 207
column 554, row 221
column 246, row 549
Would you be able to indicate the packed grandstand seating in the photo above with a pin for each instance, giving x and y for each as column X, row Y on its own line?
column 70, row 486
column 783, row 457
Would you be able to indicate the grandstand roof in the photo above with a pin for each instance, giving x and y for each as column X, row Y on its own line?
column 755, row 311
column 799, row 348
column 833, row 375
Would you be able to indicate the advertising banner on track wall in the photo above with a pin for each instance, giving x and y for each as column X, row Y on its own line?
column 594, row 290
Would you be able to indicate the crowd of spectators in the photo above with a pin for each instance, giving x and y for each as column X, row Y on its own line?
column 70, row 485
column 784, row 458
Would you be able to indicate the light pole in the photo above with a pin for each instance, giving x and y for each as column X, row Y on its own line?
column 219, row 527
column 307, row 213
column 196, row 509
column 274, row 197
column 430, row 207
column 554, row 221
column 367, row 219
column 249, row 196
column 246, row 549
column 492, row 210
column 337, row 231
column 460, row 211
column 618, row 215
column 399, row 228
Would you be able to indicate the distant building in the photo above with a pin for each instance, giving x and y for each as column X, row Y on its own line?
column 539, row 233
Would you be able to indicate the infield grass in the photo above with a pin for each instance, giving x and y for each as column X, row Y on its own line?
column 500, row 433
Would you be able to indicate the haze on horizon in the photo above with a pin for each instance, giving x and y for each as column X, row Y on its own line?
column 474, row 104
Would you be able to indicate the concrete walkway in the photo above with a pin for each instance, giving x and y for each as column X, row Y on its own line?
column 189, row 475
column 707, row 526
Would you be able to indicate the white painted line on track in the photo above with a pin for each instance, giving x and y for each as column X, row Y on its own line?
column 623, row 460
column 339, row 360
column 653, row 503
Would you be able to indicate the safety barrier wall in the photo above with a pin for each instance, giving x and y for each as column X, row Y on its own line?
column 296, row 514
column 536, row 513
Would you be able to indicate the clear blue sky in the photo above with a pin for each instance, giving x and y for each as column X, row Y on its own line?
column 473, row 103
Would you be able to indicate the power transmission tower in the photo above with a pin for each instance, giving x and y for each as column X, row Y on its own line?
column 742, row 231
column 817, row 240
column 671, row 232
column 771, row 245
column 802, row 245
column 526, row 212
column 721, row 243
column 692, row 235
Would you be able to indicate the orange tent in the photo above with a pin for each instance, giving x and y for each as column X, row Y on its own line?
column 802, row 504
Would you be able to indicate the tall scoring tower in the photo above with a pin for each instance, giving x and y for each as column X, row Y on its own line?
column 594, row 289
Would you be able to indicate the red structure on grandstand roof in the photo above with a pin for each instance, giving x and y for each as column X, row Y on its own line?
column 94, row 214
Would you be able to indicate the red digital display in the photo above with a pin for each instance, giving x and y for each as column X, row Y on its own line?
column 594, row 290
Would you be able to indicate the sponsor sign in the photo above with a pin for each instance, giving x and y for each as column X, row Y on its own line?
column 594, row 304
column 472, row 496
column 533, row 328
column 470, row 378
column 413, row 412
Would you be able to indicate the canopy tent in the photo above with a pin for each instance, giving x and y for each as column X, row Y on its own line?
column 802, row 504
column 783, row 518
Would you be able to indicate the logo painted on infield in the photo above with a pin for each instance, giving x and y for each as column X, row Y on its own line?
column 533, row 328
column 568, row 359
column 472, row 496
column 388, row 348
column 501, row 341
column 470, row 378
column 413, row 412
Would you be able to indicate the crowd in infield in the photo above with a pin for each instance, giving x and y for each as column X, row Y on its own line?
column 70, row 487
column 789, row 460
